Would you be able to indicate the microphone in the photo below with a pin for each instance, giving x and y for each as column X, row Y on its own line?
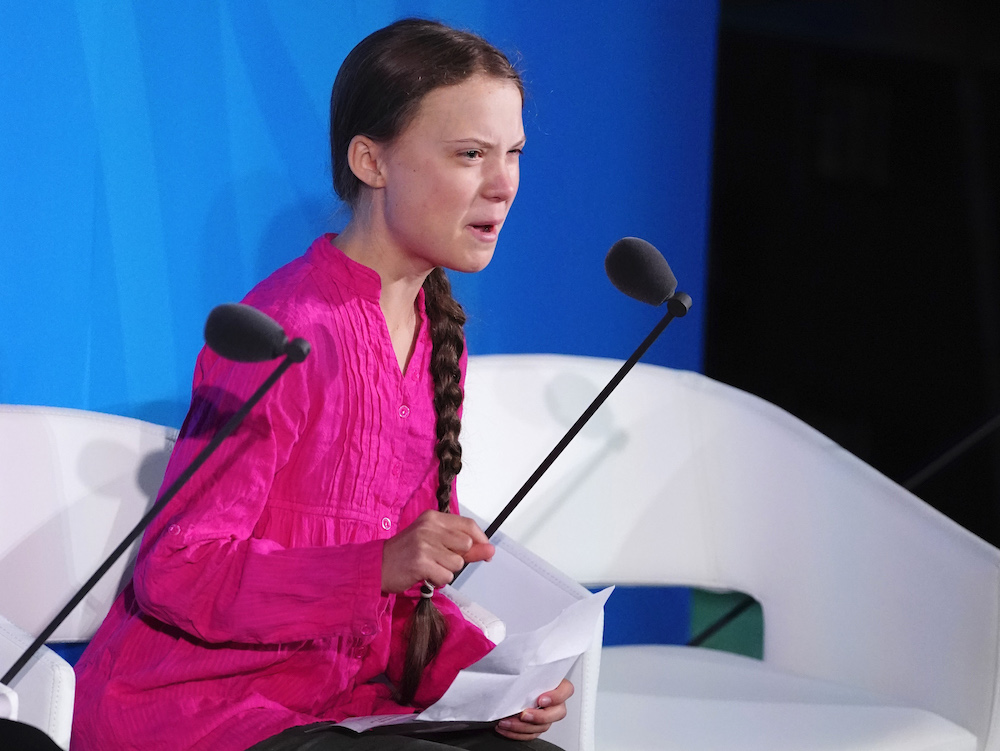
column 242, row 333
column 234, row 331
column 640, row 271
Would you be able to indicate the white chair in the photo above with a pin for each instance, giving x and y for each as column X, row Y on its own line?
column 74, row 483
column 880, row 614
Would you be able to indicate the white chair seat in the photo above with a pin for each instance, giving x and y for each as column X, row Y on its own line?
column 665, row 698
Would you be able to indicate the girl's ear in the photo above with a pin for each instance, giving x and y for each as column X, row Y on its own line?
column 364, row 158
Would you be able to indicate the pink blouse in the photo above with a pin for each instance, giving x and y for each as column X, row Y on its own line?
column 256, row 602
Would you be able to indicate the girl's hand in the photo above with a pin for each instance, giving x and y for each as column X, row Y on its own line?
column 531, row 723
column 433, row 548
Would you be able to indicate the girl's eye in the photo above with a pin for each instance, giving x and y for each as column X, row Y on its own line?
column 472, row 153
column 516, row 152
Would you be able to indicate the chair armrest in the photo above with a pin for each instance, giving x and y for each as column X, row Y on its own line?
column 45, row 687
column 491, row 626
column 8, row 703
column 528, row 592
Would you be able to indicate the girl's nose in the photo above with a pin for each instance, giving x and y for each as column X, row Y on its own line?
column 502, row 182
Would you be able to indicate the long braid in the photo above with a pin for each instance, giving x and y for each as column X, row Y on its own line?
column 446, row 319
column 427, row 628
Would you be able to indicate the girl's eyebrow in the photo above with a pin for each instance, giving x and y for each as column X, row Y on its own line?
column 484, row 145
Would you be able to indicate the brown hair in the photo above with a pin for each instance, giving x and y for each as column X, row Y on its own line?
column 377, row 92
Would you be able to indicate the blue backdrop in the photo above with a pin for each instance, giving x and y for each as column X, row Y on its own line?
column 160, row 158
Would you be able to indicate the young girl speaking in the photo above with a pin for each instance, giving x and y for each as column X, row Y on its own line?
column 292, row 581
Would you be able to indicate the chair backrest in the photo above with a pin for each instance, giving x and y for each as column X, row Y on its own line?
column 44, row 688
column 74, row 483
column 679, row 479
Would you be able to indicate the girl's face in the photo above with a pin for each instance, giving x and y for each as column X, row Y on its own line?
column 452, row 174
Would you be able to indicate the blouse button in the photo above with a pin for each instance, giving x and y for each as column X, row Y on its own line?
column 396, row 468
column 367, row 629
column 386, row 523
column 174, row 529
column 404, row 411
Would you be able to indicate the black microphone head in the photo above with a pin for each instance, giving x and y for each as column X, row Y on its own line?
column 244, row 334
column 639, row 270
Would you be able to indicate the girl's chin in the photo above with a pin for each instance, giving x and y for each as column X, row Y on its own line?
column 472, row 263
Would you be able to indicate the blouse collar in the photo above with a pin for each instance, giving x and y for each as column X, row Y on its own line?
column 356, row 276
column 359, row 278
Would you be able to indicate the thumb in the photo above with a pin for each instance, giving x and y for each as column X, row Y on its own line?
column 480, row 551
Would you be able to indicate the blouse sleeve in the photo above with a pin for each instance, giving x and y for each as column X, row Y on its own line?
column 201, row 568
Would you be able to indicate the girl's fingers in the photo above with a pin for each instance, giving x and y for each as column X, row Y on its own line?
column 443, row 570
column 513, row 728
column 531, row 723
column 433, row 548
column 537, row 717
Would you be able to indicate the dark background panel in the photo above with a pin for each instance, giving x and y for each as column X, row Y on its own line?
column 853, row 273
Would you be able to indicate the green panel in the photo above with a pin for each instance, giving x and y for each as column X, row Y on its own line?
column 743, row 635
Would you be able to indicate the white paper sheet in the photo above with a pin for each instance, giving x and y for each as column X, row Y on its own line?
column 513, row 675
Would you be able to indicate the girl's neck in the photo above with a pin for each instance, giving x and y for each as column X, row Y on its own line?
column 400, row 284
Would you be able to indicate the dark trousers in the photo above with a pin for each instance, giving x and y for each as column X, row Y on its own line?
column 16, row 736
column 320, row 738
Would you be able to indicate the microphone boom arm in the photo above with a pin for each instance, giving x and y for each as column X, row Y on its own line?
column 677, row 307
